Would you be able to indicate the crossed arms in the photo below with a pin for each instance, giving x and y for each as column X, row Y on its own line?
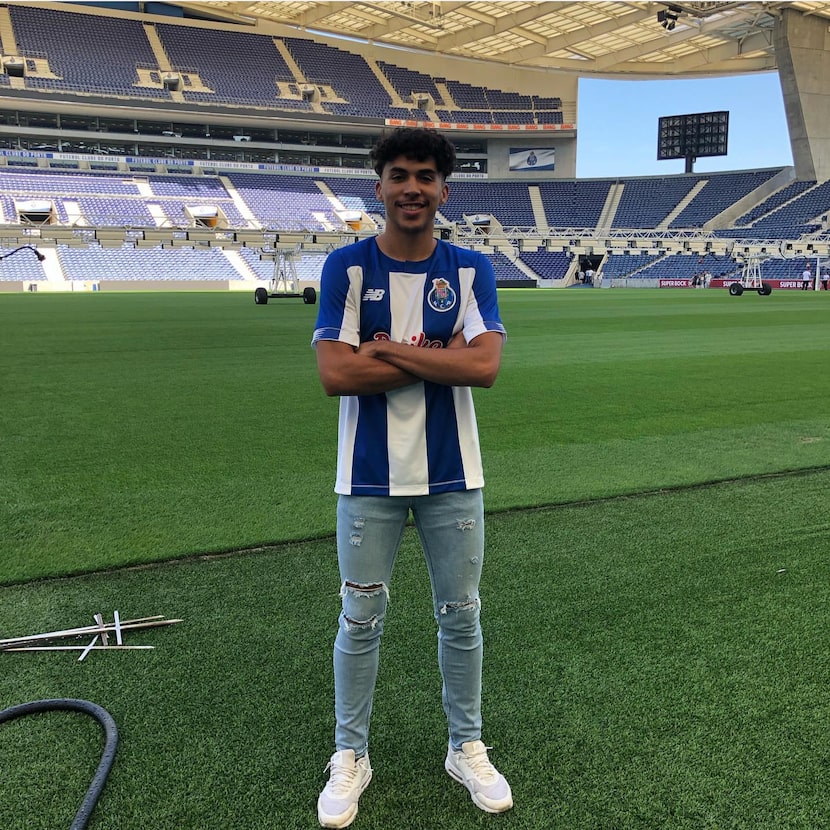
column 382, row 365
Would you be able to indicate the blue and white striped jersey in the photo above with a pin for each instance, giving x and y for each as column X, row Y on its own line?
column 422, row 438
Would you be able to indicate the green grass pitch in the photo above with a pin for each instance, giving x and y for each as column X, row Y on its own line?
column 654, row 598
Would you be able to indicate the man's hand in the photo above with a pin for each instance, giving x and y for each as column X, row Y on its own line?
column 368, row 349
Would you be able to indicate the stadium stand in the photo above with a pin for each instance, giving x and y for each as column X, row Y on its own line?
column 239, row 68
column 782, row 269
column 314, row 204
column 467, row 96
column 355, row 194
column 621, row 266
column 505, row 270
column 287, row 202
column 574, row 204
column 106, row 199
column 86, row 53
column 548, row 265
column 718, row 193
column 649, row 268
column 96, row 264
column 780, row 197
column 407, row 82
column 263, row 268
column 682, row 267
column 113, row 211
column 466, row 116
column 21, row 268
column 509, row 202
column 35, row 182
column 359, row 91
column 111, row 57
column 794, row 218
column 645, row 203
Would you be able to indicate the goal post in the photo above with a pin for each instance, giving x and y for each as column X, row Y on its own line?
column 821, row 276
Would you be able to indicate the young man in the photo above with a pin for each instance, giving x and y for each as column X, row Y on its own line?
column 407, row 324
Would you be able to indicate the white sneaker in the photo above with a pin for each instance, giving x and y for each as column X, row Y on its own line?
column 472, row 768
column 337, row 804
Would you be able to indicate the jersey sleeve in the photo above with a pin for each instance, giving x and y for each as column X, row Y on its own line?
column 482, row 311
column 339, row 318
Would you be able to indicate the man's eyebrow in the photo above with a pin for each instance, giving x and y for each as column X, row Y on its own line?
column 420, row 171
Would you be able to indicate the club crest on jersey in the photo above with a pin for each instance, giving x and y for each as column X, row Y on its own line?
column 442, row 297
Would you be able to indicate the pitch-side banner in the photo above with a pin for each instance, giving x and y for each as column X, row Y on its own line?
column 532, row 159
column 718, row 282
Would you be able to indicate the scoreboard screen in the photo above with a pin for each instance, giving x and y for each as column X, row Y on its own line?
column 692, row 136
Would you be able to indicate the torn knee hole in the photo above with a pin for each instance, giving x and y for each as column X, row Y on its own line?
column 352, row 624
column 472, row 604
column 360, row 589
column 369, row 586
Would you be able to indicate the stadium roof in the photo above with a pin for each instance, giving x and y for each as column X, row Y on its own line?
column 586, row 38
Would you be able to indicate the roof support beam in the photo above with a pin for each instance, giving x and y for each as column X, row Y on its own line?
column 572, row 40
column 458, row 40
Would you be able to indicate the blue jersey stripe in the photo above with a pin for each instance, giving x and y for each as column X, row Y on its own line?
column 443, row 448
column 370, row 460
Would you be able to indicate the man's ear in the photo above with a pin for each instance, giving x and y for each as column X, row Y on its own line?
column 445, row 192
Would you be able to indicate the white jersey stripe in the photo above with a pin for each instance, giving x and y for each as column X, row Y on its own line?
column 347, row 430
column 406, row 442
column 468, row 439
column 351, row 312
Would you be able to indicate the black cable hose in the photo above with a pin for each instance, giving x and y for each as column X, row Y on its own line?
column 107, row 757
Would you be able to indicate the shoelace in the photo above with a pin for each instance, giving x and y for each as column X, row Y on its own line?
column 342, row 778
column 481, row 766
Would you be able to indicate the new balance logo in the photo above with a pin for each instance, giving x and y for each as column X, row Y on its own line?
column 373, row 295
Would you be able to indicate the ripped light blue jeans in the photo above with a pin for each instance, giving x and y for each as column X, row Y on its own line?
column 369, row 533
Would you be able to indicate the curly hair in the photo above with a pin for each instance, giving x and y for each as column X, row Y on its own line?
column 414, row 143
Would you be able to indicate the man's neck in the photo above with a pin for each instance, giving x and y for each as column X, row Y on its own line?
column 406, row 249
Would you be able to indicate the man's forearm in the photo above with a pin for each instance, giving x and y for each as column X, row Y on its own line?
column 370, row 376
column 464, row 366
column 359, row 374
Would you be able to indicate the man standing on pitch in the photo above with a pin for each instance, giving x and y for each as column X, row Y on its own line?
column 407, row 324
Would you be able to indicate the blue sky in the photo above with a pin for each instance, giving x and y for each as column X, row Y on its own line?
column 617, row 124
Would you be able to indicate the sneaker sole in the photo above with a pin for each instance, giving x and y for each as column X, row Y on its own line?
column 456, row 776
column 343, row 819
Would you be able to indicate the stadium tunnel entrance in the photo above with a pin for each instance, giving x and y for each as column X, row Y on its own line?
column 589, row 264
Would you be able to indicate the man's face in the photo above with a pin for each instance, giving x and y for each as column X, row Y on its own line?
column 411, row 191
